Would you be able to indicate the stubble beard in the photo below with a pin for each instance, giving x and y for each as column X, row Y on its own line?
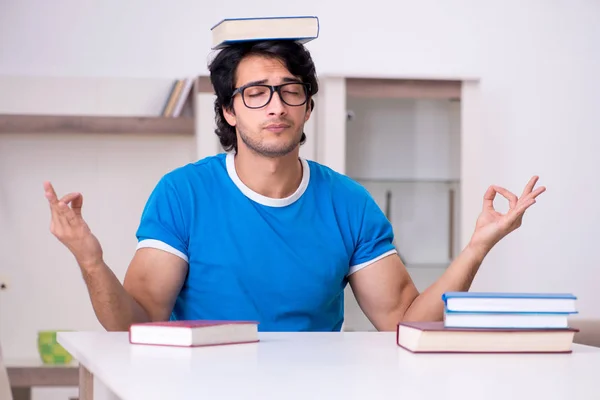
column 260, row 148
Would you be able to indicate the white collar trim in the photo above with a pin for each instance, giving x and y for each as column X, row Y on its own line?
column 264, row 200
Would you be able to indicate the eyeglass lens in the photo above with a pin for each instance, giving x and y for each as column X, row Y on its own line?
column 293, row 94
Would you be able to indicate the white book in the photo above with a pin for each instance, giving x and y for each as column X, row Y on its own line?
column 235, row 30
column 505, row 320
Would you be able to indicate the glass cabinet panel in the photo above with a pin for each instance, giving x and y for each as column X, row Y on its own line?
column 406, row 152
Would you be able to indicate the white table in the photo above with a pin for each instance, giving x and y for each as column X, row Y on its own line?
column 350, row 365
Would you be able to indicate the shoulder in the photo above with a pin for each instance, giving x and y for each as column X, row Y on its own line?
column 340, row 185
column 190, row 183
column 195, row 172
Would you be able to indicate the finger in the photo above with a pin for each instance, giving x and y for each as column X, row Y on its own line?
column 534, row 194
column 76, row 203
column 72, row 200
column 50, row 193
column 62, row 215
column 62, row 207
column 538, row 191
column 519, row 211
column 67, row 216
column 488, row 198
column 530, row 185
column 511, row 197
column 68, row 198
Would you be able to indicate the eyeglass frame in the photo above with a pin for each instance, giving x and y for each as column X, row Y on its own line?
column 272, row 89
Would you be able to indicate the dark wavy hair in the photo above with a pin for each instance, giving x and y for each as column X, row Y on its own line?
column 223, row 76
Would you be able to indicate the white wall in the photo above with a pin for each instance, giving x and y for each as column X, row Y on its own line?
column 156, row 38
column 537, row 113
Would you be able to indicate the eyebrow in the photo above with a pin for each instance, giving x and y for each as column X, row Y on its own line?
column 264, row 81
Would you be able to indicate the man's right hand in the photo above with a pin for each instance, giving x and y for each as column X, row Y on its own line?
column 70, row 229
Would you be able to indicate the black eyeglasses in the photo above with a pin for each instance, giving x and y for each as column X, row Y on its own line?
column 257, row 96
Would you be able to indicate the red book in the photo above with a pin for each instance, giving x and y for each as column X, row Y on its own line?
column 435, row 337
column 194, row 333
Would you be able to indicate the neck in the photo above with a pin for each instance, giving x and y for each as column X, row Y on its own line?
column 276, row 178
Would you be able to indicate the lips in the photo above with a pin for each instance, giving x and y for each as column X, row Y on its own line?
column 277, row 128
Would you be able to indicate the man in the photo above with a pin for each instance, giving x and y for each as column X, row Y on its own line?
column 260, row 234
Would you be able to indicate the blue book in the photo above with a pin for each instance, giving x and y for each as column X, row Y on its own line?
column 506, row 302
column 228, row 31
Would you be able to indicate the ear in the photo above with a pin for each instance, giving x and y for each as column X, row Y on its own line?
column 308, row 110
column 229, row 115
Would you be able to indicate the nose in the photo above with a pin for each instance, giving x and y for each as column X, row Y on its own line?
column 276, row 106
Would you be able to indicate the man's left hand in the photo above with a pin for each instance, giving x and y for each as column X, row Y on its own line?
column 492, row 226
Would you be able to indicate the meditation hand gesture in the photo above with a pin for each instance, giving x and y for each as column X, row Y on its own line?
column 492, row 226
column 69, row 227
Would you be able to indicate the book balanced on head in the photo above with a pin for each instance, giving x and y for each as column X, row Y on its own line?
column 228, row 31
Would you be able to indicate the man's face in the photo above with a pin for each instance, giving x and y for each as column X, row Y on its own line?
column 275, row 129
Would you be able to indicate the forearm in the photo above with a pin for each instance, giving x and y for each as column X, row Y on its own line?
column 114, row 307
column 429, row 306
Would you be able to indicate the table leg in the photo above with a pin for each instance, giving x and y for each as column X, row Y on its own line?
column 90, row 388
column 21, row 393
column 86, row 384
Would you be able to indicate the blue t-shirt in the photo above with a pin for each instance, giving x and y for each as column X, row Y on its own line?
column 281, row 262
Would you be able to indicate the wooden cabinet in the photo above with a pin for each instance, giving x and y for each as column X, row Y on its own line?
column 402, row 142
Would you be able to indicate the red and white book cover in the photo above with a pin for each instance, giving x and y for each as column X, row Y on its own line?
column 435, row 337
column 194, row 333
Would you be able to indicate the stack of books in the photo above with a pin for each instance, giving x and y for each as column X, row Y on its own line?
column 180, row 96
column 476, row 322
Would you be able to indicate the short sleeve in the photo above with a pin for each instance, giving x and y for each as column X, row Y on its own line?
column 162, row 225
column 375, row 237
